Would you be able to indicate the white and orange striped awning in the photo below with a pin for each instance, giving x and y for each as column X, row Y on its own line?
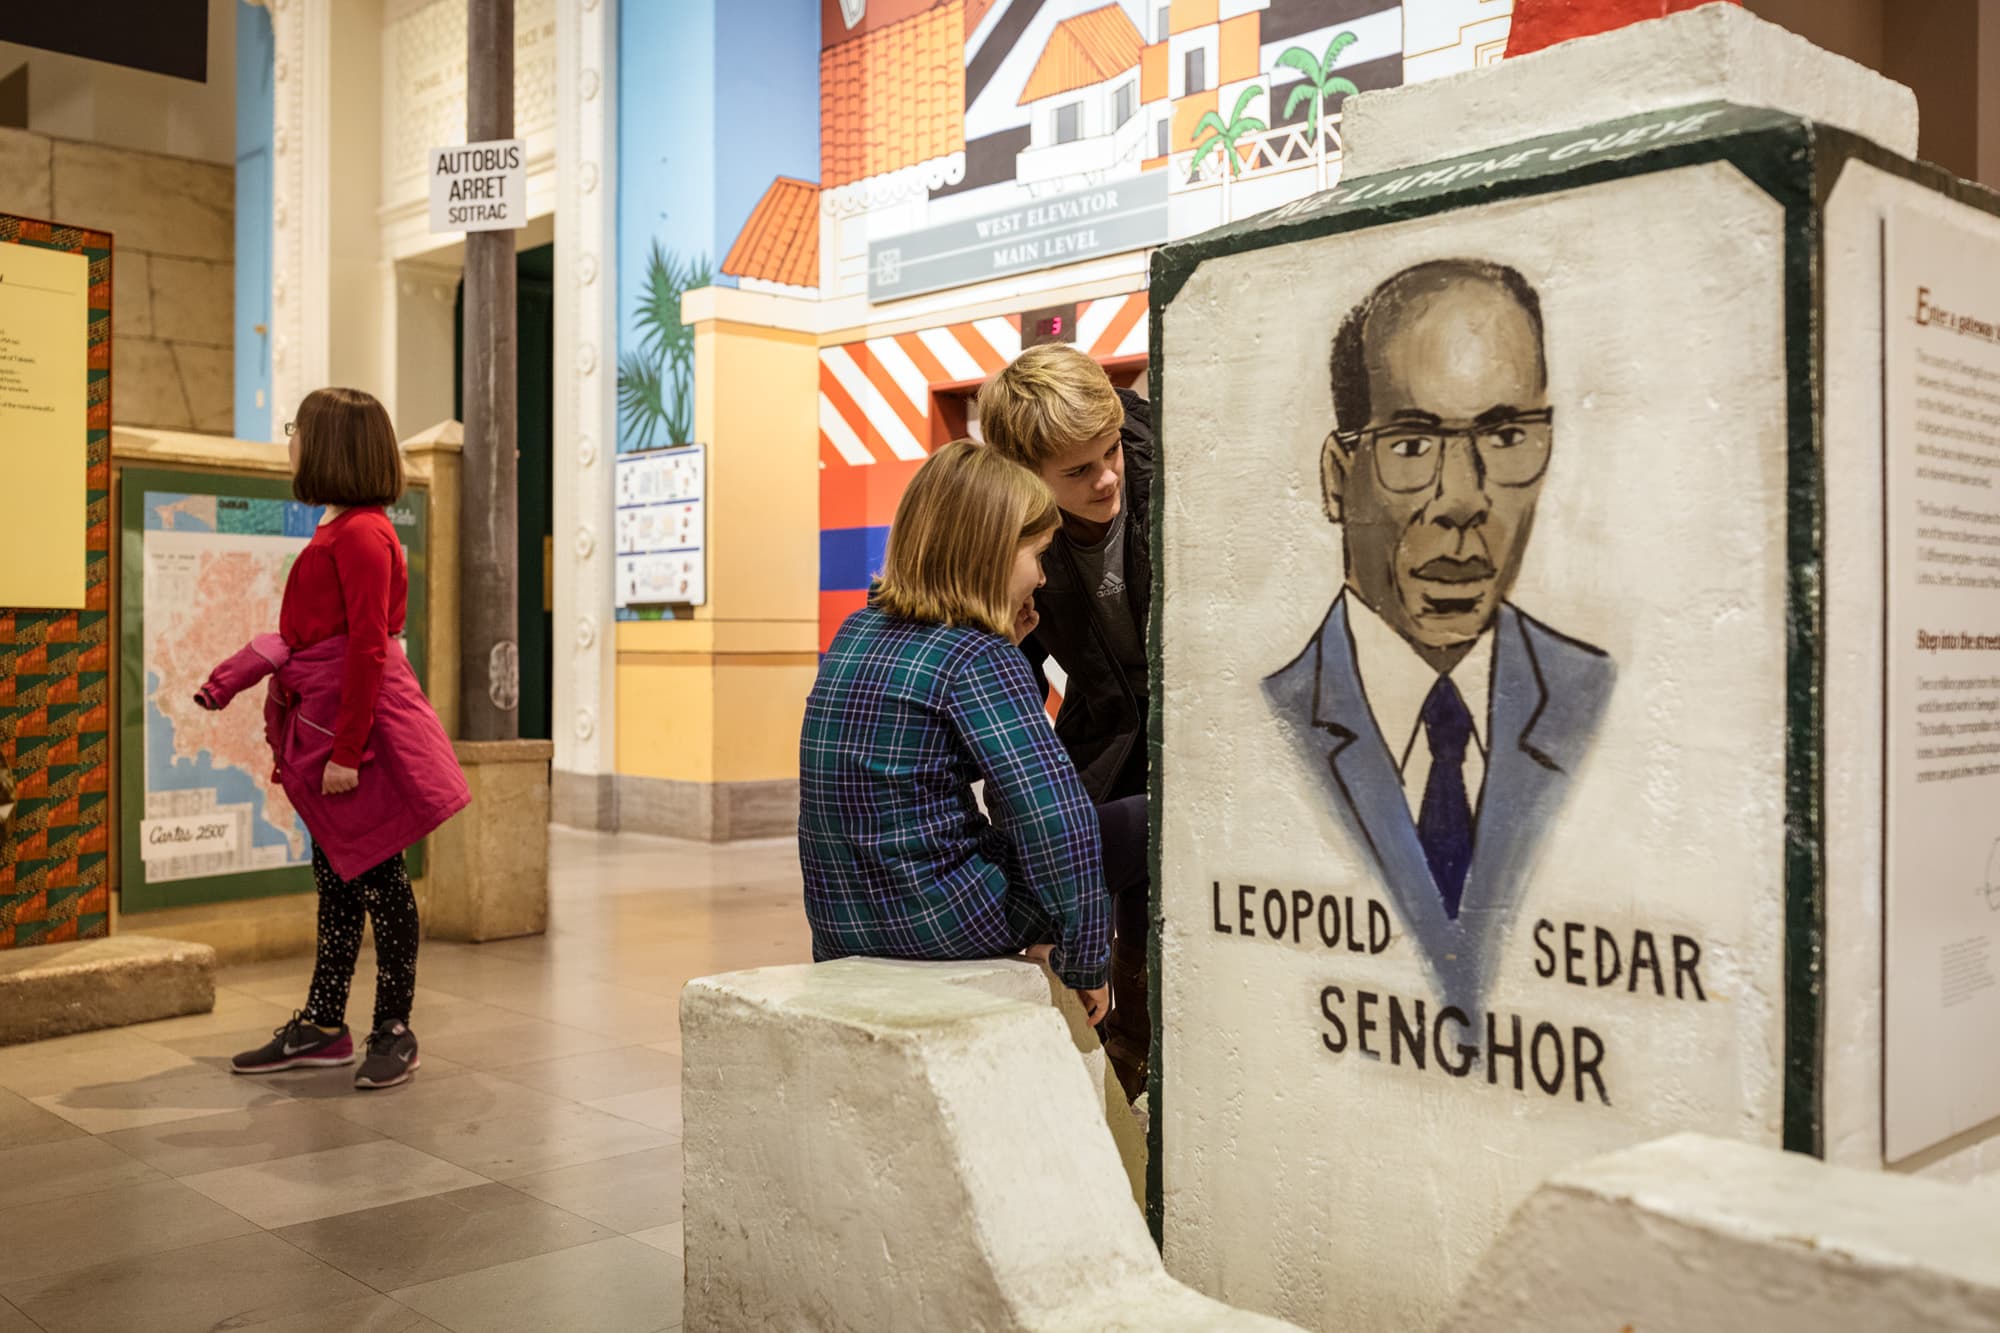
column 875, row 395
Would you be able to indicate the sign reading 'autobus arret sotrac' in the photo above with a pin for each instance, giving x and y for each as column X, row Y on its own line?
column 480, row 186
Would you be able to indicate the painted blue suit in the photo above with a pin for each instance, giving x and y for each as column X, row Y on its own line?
column 1548, row 693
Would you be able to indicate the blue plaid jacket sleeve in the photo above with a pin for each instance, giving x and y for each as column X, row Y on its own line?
column 1037, row 801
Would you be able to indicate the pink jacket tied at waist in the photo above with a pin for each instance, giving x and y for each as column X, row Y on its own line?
column 410, row 780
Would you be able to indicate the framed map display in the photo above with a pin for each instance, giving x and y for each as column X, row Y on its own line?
column 204, row 568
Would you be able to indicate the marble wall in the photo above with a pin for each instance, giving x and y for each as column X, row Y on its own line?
column 172, row 222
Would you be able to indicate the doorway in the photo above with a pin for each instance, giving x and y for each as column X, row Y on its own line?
column 535, row 331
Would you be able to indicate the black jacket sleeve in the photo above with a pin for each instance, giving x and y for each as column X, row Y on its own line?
column 1138, row 427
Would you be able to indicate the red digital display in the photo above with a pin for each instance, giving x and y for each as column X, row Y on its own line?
column 1050, row 324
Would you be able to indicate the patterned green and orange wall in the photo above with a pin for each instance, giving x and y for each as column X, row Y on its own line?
column 55, row 682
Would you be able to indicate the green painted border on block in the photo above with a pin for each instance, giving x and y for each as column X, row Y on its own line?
column 1786, row 157
column 411, row 515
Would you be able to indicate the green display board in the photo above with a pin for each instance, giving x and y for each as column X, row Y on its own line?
column 204, row 560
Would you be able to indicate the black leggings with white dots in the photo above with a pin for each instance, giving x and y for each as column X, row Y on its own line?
column 381, row 894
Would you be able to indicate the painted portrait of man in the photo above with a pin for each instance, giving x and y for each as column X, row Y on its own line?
column 1445, row 722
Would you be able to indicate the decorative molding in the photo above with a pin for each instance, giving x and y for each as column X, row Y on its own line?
column 759, row 285
column 424, row 64
column 585, row 125
column 892, row 187
column 302, row 37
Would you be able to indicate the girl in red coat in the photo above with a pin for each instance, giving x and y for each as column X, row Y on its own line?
column 351, row 582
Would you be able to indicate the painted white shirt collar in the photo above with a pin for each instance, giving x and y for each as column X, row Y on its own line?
column 1396, row 681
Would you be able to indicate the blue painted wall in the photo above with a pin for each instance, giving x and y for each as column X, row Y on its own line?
column 255, row 113
column 767, row 104
column 666, row 206
column 716, row 99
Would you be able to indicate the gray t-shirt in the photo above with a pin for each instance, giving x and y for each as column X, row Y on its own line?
column 1103, row 568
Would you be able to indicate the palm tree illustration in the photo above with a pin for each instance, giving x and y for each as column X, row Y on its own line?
column 656, row 378
column 1320, row 84
column 1211, row 131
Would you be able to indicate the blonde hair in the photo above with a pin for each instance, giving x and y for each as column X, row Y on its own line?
column 1049, row 400
column 966, row 514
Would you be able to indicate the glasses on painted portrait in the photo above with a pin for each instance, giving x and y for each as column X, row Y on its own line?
column 1410, row 457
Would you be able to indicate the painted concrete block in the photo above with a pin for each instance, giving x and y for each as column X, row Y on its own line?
column 1582, row 427
column 1694, row 1232
column 892, row 1145
column 1719, row 52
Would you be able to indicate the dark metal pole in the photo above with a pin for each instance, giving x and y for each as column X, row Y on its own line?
column 490, row 670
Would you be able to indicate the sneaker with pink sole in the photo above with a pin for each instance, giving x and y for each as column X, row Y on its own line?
column 297, row 1045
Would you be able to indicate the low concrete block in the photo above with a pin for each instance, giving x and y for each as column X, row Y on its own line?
column 1691, row 1232
column 887, row 1145
column 488, row 867
column 57, row 989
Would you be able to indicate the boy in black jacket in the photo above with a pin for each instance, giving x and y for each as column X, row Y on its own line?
column 1054, row 411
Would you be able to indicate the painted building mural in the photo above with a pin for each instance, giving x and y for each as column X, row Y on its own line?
column 884, row 403
column 698, row 150
column 1003, row 151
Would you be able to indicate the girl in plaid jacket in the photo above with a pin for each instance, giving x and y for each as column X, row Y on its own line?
column 923, row 693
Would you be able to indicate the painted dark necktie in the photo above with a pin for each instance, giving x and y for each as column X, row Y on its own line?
column 1444, row 825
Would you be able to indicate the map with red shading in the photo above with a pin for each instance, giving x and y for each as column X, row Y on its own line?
column 214, row 579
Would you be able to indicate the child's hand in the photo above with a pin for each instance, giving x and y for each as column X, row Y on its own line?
column 1096, row 1004
column 339, row 780
column 1025, row 620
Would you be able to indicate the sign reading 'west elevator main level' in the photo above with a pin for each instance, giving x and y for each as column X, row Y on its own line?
column 1063, row 229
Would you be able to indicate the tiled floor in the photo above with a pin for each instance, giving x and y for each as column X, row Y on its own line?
column 528, row 1178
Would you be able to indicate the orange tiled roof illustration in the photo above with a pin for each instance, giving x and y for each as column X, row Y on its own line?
column 893, row 97
column 1087, row 49
column 780, row 242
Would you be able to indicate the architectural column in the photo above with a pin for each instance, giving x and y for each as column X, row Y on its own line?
column 301, row 248
column 585, row 414
column 489, row 633
column 326, row 316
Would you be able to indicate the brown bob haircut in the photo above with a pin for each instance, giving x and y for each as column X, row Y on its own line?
column 347, row 451
column 965, row 516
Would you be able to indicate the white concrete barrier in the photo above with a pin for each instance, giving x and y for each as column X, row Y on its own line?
column 1695, row 1233
column 881, row 1145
